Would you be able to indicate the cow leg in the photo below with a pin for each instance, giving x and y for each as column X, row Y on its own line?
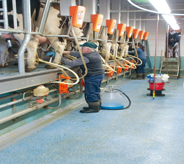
column 41, row 51
column 7, row 59
column 3, row 53
column 2, row 59
column 31, row 57
column 59, row 48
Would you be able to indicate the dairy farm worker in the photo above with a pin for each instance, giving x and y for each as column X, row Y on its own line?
column 94, row 75
column 140, row 71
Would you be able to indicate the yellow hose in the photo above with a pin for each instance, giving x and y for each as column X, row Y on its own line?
column 76, row 41
column 136, row 58
column 60, row 67
column 128, row 62
column 105, row 64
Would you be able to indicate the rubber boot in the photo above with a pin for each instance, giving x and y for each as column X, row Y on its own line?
column 143, row 75
column 93, row 107
column 98, row 100
column 135, row 77
column 85, row 107
column 139, row 76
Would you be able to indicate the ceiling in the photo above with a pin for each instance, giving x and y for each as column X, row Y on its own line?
column 176, row 6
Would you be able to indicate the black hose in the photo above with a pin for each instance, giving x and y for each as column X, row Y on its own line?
column 126, row 97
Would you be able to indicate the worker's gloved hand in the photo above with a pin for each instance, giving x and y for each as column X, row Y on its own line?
column 51, row 54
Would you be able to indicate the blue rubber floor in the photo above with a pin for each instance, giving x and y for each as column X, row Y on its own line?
column 148, row 132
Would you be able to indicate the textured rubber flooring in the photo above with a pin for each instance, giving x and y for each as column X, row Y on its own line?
column 150, row 131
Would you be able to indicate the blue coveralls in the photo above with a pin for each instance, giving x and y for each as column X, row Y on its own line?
column 141, row 55
column 94, row 76
column 92, row 87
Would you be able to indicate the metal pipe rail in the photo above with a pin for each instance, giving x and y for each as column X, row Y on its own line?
column 21, row 100
column 28, row 110
column 39, row 106
column 36, row 107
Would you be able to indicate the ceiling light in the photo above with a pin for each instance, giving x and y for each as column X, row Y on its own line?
column 169, row 18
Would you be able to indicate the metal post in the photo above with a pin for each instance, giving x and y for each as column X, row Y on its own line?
column 134, row 20
column 27, row 27
column 127, row 15
column 14, row 14
column 144, row 26
column 44, row 16
column 167, row 45
column 156, row 40
column 5, row 14
column 140, row 23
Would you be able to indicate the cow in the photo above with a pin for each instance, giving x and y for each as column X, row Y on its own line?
column 124, row 50
column 114, row 48
column 35, row 6
column 4, row 54
column 52, row 27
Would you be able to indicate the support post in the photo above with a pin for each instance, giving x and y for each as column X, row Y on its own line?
column 27, row 27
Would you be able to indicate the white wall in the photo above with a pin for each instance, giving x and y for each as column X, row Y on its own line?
column 150, row 26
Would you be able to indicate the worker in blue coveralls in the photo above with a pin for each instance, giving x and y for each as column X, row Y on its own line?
column 94, row 75
column 140, row 71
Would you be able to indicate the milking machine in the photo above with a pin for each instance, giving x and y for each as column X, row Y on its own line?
column 112, row 98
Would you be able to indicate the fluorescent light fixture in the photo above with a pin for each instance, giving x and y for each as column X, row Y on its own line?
column 162, row 7
column 171, row 21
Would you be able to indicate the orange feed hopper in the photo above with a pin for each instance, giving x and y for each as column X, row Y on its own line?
column 136, row 32
column 77, row 13
column 146, row 35
column 111, row 23
column 129, row 31
column 121, row 28
column 141, row 34
column 97, row 19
